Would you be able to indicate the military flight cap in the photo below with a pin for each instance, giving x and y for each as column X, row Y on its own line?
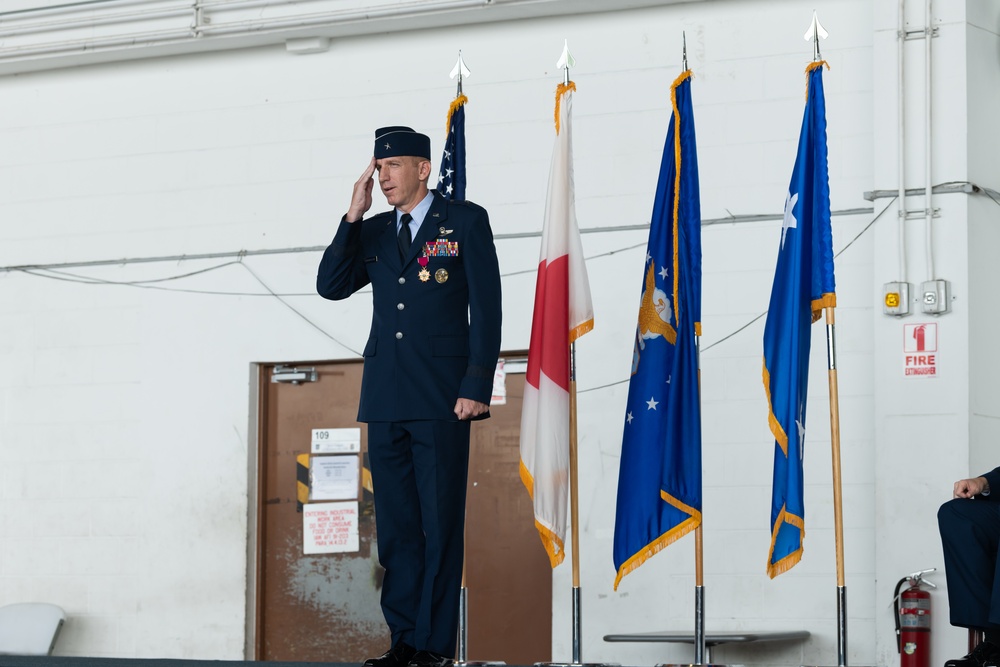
column 397, row 140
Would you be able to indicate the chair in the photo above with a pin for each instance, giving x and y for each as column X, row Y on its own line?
column 30, row 628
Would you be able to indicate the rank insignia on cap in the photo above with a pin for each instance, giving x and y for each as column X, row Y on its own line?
column 398, row 140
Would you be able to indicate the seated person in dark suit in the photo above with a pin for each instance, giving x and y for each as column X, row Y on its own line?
column 970, row 535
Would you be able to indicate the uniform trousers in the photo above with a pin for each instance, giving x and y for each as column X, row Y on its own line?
column 970, row 536
column 419, row 475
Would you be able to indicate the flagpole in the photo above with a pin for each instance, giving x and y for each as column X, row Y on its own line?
column 574, row 480
column 838, row 509
column 699, row 559
column 463, row 616
column 462, row 654
column 814, row 33
column 463, row 599
column 566, row 61
column 699, row 600
column 574, row 486
column 578, row 313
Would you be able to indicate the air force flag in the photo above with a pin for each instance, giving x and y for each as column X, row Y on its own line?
column 659, row 485
column 803, row 286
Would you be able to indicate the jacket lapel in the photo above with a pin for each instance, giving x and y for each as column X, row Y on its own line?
column 388, row 246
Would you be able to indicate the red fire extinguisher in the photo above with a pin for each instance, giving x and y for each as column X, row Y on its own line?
column 913, row 620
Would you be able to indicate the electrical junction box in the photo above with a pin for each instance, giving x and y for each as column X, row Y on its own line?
column 936, row 297
column 896, row 299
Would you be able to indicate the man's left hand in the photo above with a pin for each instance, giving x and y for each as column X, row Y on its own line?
column 467, row 409
column 967, row 488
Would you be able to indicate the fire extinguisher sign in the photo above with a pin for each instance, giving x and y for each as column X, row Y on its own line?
column 920, row 346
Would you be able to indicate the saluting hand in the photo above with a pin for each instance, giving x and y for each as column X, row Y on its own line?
column 361, row 199
column 466, row 408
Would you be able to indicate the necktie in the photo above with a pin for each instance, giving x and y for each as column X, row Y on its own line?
column 405, row 237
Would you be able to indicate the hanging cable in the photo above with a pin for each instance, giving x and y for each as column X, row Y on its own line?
column 745, row 326
column 66, row 276
column 292, row 308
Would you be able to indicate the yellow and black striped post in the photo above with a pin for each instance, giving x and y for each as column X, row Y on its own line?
column 301, row 481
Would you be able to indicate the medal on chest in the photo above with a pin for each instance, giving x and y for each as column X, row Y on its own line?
column 424, row 274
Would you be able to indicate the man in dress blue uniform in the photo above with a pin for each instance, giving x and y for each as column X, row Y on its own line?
column 429, row 366
column 970, row 535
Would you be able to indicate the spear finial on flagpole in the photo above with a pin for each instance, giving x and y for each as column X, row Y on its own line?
column 814, row 33
column 566, row 60
column 684, row 50
column 461, row 71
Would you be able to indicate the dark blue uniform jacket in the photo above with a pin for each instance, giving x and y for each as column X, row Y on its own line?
column 422, row 353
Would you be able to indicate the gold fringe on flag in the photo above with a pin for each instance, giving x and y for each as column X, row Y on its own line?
column 828, row 300
column 554, row 546
column 687, row 74
column 452, row 108
column 816, row 64
column 561, row 90
column 792, row 559
column 776, row 429
column 664, row 540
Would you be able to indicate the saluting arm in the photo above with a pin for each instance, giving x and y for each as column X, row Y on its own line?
column 342, row 270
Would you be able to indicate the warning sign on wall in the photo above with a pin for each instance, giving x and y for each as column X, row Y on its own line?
column 920, row 346
column 499, row 385
column 330, row 528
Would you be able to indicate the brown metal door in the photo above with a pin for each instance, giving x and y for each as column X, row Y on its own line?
column 508, row 575
column 325, row 608
column 312, row 608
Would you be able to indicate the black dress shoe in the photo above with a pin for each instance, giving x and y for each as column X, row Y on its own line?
column 398, row 656
column 985, row 654
column 430, row 659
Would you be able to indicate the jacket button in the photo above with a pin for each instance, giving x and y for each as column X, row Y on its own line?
column 402, row 280
column 399, row 334
column 400, row 306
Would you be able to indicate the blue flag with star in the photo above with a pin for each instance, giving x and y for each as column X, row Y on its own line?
column 659, row 484
column 803, row 286
column 451, row 178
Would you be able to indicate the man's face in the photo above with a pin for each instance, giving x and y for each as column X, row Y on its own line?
column 402, row 180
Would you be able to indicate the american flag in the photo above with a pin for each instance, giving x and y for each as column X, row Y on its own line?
column 451, row 179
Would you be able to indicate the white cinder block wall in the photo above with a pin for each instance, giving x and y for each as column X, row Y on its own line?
column 124, row 409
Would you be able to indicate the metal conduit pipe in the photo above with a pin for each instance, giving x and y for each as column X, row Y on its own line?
column 348, row 16
column 197, row 29
column 216, row 8
column 928, row 183
column 135, row 39
column 93, row 22
column 257, row 28
column 401, row 8
column 901, row 140
column 70, row 8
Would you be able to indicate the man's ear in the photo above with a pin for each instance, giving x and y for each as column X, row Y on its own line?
column 424, row 169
